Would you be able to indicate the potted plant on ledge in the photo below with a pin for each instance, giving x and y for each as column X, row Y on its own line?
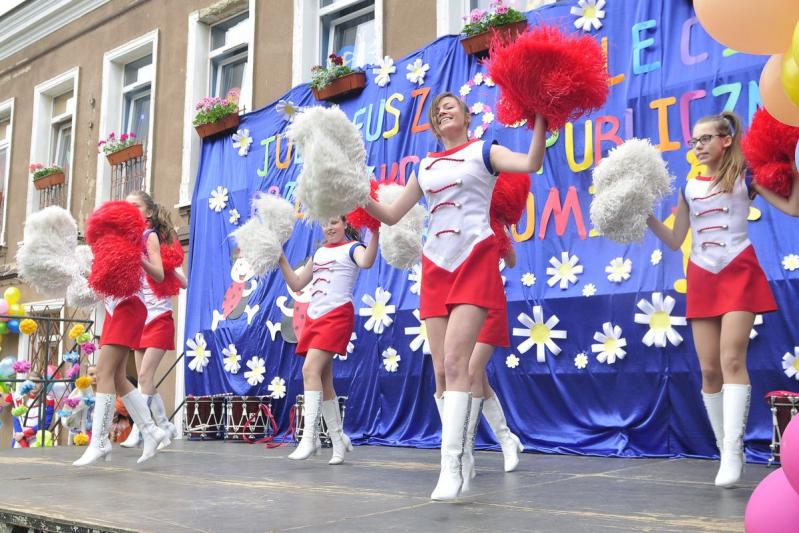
column 481, row 26
column 46, row 176
column 120, row 149
column 337, row 80
column 217, row 115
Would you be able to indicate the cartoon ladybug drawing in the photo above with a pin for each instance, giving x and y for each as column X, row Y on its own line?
column 237, row 296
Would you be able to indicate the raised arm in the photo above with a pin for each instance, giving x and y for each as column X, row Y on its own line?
column 392, row 213
column 296, row 280
column 790, row 205
column 151, row 261
column 672, row 237
column 365, row 258
column 505, row 160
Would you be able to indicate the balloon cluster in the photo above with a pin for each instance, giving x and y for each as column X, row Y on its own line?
column 9, row 305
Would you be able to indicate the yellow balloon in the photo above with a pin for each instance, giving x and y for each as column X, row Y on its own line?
column 12, row 295
column 795, row 42
column 16, row 310
column 789, row 76
column 773, row 95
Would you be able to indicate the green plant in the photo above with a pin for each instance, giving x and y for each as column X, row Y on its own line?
column 480, row 20
column 40, row 171
column 213, row 109
column 323, row 76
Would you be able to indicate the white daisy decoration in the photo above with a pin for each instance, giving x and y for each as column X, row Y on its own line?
column 790, row 262
column 790, row 363
column 383, row 71
column 287, row 109
column 589, row 13
column 257, row 369
column 589, row 289
column 488, row 118
column 415, row 275
column 199, row 353
column 420, row 335
column 539, row 332
column 657, row 314
column 477, row 108
column 564, row 271
column 656, row 257
column 234, row 217
column 758, row 322
column 277, row 388
column 528, row 279
column 489, row 82
column 610, row 344
column 391, row 359
column 231, row 358
column 417, row 71
column 378, row 311
column 478, row 78
column 478, row 132
column 465, row 89
column 511, row 361
column 218, row 199
column 581, row 360
column 242, row 141
column 619, row 270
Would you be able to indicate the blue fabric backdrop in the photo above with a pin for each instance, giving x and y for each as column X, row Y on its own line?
column 666, row 73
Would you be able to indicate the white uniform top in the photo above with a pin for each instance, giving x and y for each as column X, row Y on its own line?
column 719, row 227
column 155, row 306
column 334, row 276
column 457, row 185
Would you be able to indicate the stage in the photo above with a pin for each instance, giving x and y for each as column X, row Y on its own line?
column 221, row 486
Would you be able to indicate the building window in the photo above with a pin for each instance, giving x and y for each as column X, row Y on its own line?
column 136, row 93
column 60, row 150
column 229, row 54
column 5, row 162
column 348, row 29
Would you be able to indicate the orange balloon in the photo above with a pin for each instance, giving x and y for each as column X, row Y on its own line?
column 753, row 27
column 773, row 95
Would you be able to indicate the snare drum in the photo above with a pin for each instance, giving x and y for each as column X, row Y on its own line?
column 205, row 417
column 784, row 405
column 247, row 418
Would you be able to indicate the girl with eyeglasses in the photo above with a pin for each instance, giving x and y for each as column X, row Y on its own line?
column 726, row 285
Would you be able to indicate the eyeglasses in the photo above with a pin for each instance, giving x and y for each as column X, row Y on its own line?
column 703, row 140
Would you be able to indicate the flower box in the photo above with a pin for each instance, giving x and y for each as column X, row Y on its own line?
column 49, row 181
column 342, row 87
column 479, row 44
column 126, row 154
column 226, row 123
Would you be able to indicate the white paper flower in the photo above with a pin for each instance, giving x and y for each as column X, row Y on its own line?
column 391, row 359
column 589, row 13
column 234, row 217
column 611, row 344
column 477, row 108
column 478, row 78
column 383, row 70
column 581, row 360
column 378, row 311
column 257, row 369
column 528, row 279
column 790, row 262
column 564, row 271
column 539, row 333
column 619, row 270
column 790, row 363
column 478, row 132
column 218, row 199
column 199, row 353
column 589, row 289
column 417, row 71
column 489, row 82
column 287, row 109
column 277, row 388
column 488, row 118
column 415, row 275
column 758, row 322
column 420, row 335
column 511, row 361
column 465, row 89
column 242, row 141
column 656, row 257
column 657, row 315
column 231, row 358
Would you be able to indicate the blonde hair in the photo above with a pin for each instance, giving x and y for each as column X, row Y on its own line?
column 432, row 111
column 733, row 163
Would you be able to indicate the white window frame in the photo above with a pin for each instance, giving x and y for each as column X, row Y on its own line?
column 112, row 104
column 180, row 368
column 23, row 344
column 6, row 109
column 234, row 52
column 307, row 44
column 41, row 130
column 198, row 65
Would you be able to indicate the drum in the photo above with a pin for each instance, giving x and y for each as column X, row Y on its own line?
column 784, row 405
column 248, row 418
column 299, row 420
column 205, row 417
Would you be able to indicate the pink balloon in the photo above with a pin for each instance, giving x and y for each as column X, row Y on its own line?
column 773, row 506
column 789, row 452
column 3, row 306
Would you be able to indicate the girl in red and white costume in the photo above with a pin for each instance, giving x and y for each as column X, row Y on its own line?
column 122, row 330
column 726, row 286
column 332, row 274
column 158, row 335
column 460, row 278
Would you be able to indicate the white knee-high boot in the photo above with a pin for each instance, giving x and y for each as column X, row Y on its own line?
column 159, row 417
column 310, row 434
column 714, row 405
column 100, row 446
column 439, row 406
column 467, row 464
column 511, row 446
column 134, row 437
column 736, row 412
column 152, row 435
column 339, row 439
column 453, row 436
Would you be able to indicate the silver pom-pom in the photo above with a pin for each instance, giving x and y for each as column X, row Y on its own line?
column 261, row 238
column 401, row 244
column 46, row 259
column 79, row 294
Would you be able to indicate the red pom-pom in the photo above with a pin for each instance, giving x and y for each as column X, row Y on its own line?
column 116, row 268
column 115, row 218
column 359, row 218
column 504, row 243
column 769, row 148
column 171, row 258
column 510, row 197
column 545, row 71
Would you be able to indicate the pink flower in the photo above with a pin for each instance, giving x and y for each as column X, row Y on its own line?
column 112, row 135
column 21, row 367
column 132, row 136
column 100, row 143
column 72, row 402
column 501, row 9
column 88, row 348
column 123, row 137
column 74, row 371
column 477, row 15
column 36, row 166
